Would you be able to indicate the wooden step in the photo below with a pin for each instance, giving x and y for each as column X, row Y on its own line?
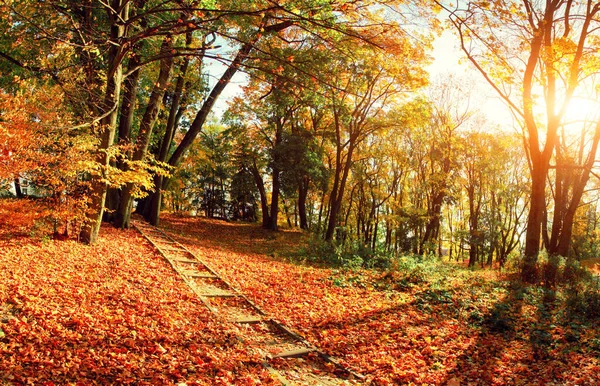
column 174, row 249
column 295, row 353
column 187, row 261
column 152, row 231
column 246, row 320
column 200, row 275
column 220, row 295
column 161, row 239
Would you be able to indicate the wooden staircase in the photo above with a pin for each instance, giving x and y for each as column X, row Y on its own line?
column 289, row 357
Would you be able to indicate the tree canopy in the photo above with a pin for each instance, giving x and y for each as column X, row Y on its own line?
column 338, row 129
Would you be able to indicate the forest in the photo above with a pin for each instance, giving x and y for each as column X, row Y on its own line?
column 448, row 243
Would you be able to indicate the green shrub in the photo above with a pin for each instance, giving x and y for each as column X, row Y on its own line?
column 500, row 319
column 405, row 272
column 557, row 270
column 584, row 304
column 551, row 270
column 352, row 255
column 574, row 273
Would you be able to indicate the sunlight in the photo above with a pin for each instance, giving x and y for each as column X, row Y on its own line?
column 582, row 110
column 579, row 120
column 580, row 115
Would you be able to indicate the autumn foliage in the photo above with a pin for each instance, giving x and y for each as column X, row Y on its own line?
column 40, row 147
column 114, row 313
column 425, row 323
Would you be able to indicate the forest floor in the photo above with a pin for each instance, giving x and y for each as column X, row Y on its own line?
column 116, row 313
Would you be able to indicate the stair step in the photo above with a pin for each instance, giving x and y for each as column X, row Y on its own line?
column 201, row 275
column 187, row 261
column 167, row 248
column 152, row 231
column 295, row 353
column 247, row 320
column 220, row 295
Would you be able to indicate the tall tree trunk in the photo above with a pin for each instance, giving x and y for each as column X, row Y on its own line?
column 127, row 113
column 302, row 194
column 149, row 118
column 276, row 174
column 375, row 230
column 433, row 226
column 475, row 237
column 339, row 185
column 264, row 206
column 275, row 199
column 286, row 209
column 537, row 208
column 91, row 228
column 579, row 181
column 152, row 208
column 18, row 191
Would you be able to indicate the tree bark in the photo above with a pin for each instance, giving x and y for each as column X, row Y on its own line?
column 302, row 194
column 127, row 113
column 152, row 210
column 91, row 228
column 123, row 214
column 18, row 191
column 579, row 181
column 276, row 175
column 260, row 185
column 534, row 223
column 337, row 193
column 433, row 226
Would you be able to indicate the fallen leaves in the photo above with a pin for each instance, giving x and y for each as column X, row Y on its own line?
column 113, row 313
column 417, row 334
column 116, row 313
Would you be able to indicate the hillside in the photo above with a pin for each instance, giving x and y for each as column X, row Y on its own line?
column 116, row 313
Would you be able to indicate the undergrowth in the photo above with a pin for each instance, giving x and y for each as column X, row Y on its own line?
column 348, row 255
column 553, row 313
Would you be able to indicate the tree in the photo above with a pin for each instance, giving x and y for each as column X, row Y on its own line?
column 91, row 42
column 476, row 170
column 359, row 91
column 261, row 26
column 82, row 48
column 99, row 53
column 535, row 55
column 36, row 147
column 451, row 110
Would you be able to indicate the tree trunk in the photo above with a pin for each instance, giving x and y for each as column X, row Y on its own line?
column 152, row 210
column 579, row 182
column 339, row 185
column 91, row 228
column 302, row 194
column 127, row 113
column 123, row 214
column 260, row 185
column 433, row 226
column 534, row 223
column 275, row 199
column 276, row 174
column 18, row 191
